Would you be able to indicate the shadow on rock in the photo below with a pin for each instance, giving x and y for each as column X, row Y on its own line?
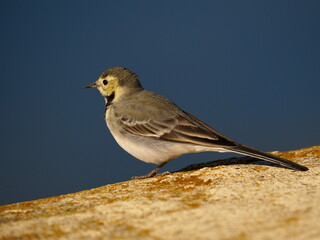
column 229, row 161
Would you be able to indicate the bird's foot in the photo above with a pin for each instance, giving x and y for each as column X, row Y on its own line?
column 142, row 177
column 151, row 174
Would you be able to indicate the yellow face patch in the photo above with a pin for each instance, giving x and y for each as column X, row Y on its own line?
column 108, row 85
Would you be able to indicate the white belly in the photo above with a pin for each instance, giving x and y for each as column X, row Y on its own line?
column 148, row 149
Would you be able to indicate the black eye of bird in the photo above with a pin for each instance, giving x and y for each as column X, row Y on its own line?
column 105, row 82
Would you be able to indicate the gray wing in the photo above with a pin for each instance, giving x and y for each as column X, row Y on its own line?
column 183, row 128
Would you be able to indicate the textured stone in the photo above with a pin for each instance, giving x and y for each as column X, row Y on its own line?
column 228, row 199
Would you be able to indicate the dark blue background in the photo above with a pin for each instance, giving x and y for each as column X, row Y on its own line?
column 250, row 69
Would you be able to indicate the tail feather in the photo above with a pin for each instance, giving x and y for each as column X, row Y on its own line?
column 249, row 151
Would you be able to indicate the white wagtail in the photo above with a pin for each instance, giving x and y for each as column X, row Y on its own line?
column 155, row 130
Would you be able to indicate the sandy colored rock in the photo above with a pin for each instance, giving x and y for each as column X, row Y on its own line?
column 234, row 198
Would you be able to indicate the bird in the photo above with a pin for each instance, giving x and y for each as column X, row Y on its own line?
column 155, row 130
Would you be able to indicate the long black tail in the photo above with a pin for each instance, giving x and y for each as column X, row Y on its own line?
column 249, row 151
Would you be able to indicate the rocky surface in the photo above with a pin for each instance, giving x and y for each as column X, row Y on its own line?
column 228, row 199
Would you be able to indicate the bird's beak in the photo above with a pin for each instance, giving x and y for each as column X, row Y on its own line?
column 93, row 85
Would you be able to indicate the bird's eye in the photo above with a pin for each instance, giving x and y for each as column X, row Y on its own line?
column 105, row 82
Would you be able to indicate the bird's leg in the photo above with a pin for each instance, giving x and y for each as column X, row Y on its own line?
column 152, row 173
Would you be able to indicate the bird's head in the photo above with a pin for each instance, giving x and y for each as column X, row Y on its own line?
column 116, row 83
